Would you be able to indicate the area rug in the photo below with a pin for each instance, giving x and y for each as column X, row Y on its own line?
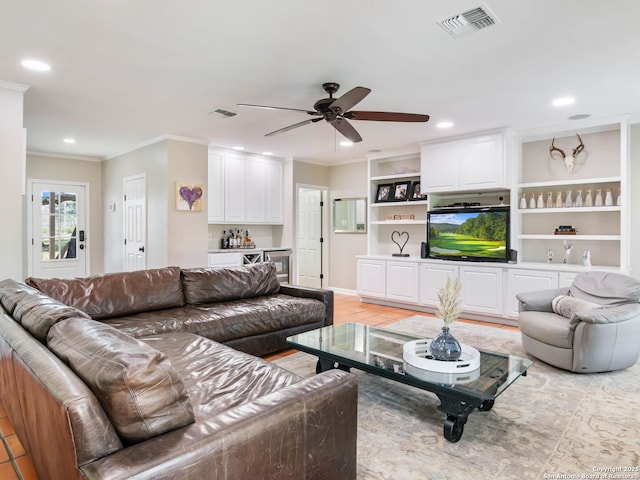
column 548, row 424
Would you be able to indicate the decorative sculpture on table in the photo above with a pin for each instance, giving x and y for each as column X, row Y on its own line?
column 569, row 160
column 550, row 255
column 396, row 237
column 567, row 251
column 445, row 347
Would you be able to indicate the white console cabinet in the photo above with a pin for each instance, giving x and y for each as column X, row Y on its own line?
column 432, row 277
column 371, row 281
column 482, row 289
column 402, row 281
column 475, row 163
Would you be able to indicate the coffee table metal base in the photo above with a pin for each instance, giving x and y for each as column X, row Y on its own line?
column 456, row 409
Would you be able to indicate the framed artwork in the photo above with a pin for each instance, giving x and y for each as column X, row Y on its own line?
column 384, row 192
column 414, row 193
column 400, row 191
column 189, row 196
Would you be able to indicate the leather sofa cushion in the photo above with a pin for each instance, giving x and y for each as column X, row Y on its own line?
column 139, row 389
column 566, row 305
column 548, row 328
column 32, row 309
column 208, row 285
column 116, row 294
column 605, row 288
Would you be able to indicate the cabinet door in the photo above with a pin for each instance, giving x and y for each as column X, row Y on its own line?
column 521, row 281
column 402, row 281
column 230, row 259
column 234, row 192
column 432, row 277
column 255, row 185
column 565, row 279
column 274, row 193
column 481, row 162
column 439, row 167
column 371, row 279
column 482, row 289
column 215, row 188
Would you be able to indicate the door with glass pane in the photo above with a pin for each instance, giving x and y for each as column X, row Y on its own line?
column 58, row 229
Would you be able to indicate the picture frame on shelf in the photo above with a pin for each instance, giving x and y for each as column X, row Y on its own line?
column 400, row 191
column 415, row 193
column 384, row 192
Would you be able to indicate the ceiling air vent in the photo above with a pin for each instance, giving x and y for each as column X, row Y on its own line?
column 468, row 22
column 221, row 112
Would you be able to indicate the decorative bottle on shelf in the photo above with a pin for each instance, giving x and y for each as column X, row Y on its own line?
column 618, row 201
column 540, row 201
column 223, row 240
column 579, row 201
column 559, row 200
column 608, row 199
column 569, row 201
column 523, row 201
column 588, row 201
column 598, row 202
column 532, row 201
column 550, row 200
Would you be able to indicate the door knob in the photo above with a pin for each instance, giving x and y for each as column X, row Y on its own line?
column 141, row 249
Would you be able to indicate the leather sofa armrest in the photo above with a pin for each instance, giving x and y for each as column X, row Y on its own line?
column 618, row 314
column 311, row 426
column 540, row 300
column 325, row 296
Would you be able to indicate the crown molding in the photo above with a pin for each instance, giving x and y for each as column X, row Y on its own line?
column 16, row 87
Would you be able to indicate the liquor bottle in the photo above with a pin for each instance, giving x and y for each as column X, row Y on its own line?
column 598, row 202
column 540, row 201
column 579, row 201
column 223, row 240
column 608, row 199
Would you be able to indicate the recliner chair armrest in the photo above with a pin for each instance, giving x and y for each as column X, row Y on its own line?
column 618, row 314
column 540, row 300
column 324, row 295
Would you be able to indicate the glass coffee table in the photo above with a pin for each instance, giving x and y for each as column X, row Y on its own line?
column 380, row 351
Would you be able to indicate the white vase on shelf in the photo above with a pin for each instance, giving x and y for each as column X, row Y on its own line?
column 588, row 201
column 523, row 201
column 532, row 201
column 559, row 200
column 579, row 201
column 550, row 200
column 540, row 203
column 569, row 201
column 618, row 200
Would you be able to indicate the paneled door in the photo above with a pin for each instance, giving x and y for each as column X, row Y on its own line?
column 58, row 227
column 135, row 223
column 309, row 248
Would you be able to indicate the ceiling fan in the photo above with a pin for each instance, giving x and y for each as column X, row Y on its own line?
column 336, row 112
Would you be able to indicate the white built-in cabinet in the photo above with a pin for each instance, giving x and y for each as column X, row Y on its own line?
column 402, row 282
column 476, row 163
column 245, row 189
column 372, row 278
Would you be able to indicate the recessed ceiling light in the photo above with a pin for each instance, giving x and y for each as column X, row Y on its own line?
column 346, row 143
column 238, row 147
column 563, row 101
column 445, row 124
column 69, row 140
column 36, row 65
column 579, row 116
column 267, row 153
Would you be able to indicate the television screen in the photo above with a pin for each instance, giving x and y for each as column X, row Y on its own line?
column 475, row 234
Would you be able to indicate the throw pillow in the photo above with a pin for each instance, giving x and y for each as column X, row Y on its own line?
column 139, row 389
column 566, row 305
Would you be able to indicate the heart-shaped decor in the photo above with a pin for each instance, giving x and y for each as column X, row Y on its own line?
column 396, row 237
column 190, row 195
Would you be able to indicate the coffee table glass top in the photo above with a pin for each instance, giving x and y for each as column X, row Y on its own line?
column 379, row 351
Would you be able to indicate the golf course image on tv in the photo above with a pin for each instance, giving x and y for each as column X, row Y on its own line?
column 469, row 234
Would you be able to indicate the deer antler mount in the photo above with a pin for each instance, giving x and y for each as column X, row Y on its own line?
column 569, row 160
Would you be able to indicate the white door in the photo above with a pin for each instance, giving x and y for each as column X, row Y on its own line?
column 135, row 223
column 309, row 252
column 58, row 227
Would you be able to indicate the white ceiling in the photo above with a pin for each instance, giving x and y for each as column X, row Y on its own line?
column 126, row 71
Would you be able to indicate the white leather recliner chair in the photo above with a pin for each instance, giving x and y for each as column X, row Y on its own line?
column 591, row 326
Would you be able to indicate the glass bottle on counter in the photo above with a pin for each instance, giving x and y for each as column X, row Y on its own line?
column 223, row 240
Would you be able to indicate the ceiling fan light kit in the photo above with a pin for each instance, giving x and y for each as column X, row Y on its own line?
column 337, row 112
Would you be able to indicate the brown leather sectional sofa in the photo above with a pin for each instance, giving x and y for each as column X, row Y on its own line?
column 133, row 376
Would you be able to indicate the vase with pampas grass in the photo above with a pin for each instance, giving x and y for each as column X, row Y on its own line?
column 445, row 347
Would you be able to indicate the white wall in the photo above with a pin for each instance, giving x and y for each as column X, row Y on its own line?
column 64, row 169
column 12, row 164
column 634, row 190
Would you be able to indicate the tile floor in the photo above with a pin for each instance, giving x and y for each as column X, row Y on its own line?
column 15, row 464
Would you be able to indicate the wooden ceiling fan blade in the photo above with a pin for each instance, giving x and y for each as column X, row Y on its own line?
column 267, row 107
column 291, row 127
column 386, row 116
column 350, row 99
column 346, row 129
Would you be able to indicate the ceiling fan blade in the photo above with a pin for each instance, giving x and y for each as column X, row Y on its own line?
column 291, row 127
column 386, row 116
column 267, row 107
column 349, row 99
column 346, row 129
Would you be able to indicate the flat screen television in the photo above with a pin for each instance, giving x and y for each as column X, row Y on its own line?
column 477, row 234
